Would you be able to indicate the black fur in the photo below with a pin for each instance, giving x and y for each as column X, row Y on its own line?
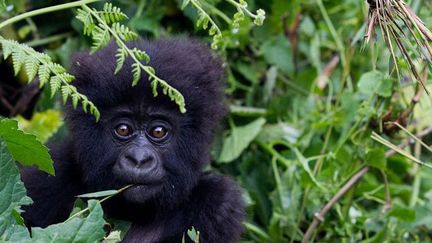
column 84, row 161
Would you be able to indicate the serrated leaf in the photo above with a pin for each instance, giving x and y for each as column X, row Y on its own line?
column 136, row 73
column 55, row 84
column 18, row 59
column 120, row 59
column 12, row 193
column 101, row 38
column 124, row 32
column 89, row 229
column 25, row 148
column 65, row 93
column 43, row 74
column 7, row 49
column 239, row 140
column 75, row 99
column 31, row 68
column 141, row 55
column 56, row 68
column 112, row 14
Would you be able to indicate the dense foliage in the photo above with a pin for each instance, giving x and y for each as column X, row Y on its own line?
column 328, row 136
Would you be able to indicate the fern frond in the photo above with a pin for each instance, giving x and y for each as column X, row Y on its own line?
column 101, row 37
column 107, row 27
column 124, row 32
column 31, row 67
column 18, row 59
column 87, row 20
column 36, row 63
column 55, row 84
column 120, row 59
column 43, row 74
column 136, row 73
column 112, row 14
column 141, row 55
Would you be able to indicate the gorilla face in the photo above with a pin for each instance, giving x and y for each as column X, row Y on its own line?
column 147, row 152
column 143, row 140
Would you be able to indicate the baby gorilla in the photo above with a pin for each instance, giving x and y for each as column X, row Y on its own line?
column 144, row 141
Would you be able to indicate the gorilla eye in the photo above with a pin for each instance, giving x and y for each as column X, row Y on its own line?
column 123, row 130
column 158, row 132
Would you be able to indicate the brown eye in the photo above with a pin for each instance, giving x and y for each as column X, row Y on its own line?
column 123, row 130
column 158, row 132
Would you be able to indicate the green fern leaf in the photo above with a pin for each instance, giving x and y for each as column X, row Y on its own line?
column 7, row 48
column 154, row 85
column 43, row 74
column 141, row 55
column 101, row 38
column 87, row 21
column 85, row 104
column 31, row 67
column 95, row 112
column 124, row 32
column 75, row 99
column 120, row 59
column 66, row 77
column 65, row 93
column 55, row 84
column 56, row 68
column 111, row 14
column 18, row 59
column 136, row 73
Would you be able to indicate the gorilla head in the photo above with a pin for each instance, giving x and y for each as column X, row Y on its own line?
column 142, row 140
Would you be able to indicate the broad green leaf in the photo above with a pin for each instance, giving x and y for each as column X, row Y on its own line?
column 43, row 124
column 279, row 131
column 403, row 214
column 89, row 229
column 376, row 158
column 239, row 139
column 277, row 51
column 12, row 195
column 25, row 148
column 374, row 82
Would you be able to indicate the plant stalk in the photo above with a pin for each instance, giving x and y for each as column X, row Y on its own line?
column 45, row 10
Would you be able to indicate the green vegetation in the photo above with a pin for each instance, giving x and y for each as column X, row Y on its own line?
column 329, row 125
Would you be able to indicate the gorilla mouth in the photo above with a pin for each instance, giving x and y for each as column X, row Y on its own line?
column 140, row 193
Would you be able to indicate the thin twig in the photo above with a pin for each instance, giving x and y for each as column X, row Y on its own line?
column 319, row 217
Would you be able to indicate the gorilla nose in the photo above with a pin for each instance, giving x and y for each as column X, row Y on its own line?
column 139, row 158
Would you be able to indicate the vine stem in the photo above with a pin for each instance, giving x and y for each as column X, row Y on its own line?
column 45, row 10
column 243, row 7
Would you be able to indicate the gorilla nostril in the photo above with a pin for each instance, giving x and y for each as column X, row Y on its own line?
column 138, row 159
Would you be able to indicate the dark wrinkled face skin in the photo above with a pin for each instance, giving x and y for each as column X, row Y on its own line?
column 145, row 147
column 141, row 144
column 143, row 140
